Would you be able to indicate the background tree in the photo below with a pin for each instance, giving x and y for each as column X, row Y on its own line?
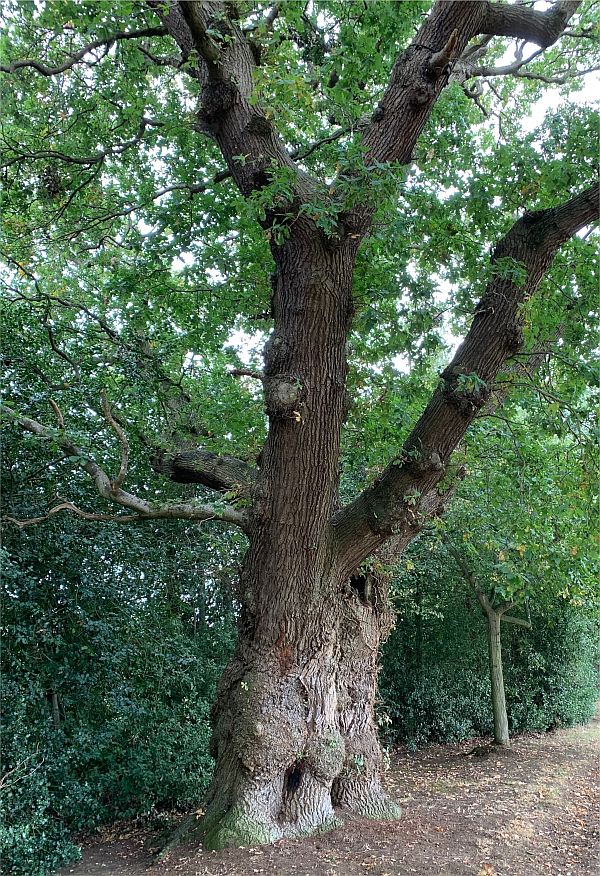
column 528, row 559
column 308, row 194
column 511, row 553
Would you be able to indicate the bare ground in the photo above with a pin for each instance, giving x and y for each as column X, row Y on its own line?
column 531, row 811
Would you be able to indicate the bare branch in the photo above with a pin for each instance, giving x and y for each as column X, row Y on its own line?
column 518, row 68
column 58, row 413
column 247, row 372
column 520, row 622
column 97, row 158
column 17, row 771
column 69, row 506
column 559, row 78
column 508, row 69
column 108, row 41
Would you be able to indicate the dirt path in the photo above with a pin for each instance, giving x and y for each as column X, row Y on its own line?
column 533, row 811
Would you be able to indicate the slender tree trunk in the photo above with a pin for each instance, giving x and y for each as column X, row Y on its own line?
column 54, row 703
column 497, row 678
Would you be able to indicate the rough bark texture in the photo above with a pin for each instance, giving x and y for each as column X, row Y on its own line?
column 200, row 466
column 366, row 620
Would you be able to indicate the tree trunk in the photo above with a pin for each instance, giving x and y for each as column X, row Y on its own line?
column 294, row 727
column 294, row 730
column 497, row 679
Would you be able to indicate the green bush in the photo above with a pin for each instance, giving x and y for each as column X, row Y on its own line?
column 435, row 685
column 32, row 840
column 133, row 669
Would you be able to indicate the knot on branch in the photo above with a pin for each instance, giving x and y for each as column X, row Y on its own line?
column 513, row 337
column 421, row 95
column 218, row 96
column 429, row 462
column 276, row 353
column 465, row 392
column 260, row 126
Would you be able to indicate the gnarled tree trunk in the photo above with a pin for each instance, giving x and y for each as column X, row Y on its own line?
column 294, row 730
column 295, row 736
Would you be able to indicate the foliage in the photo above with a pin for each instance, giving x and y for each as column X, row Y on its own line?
column 129, row 637
column 435, row 682
column 434, row 685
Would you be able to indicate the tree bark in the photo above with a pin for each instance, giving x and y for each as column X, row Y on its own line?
column 294, row 729
column 295, row 736
column 366, row 620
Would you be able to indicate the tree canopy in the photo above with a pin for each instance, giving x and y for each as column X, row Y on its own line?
column 147, row 270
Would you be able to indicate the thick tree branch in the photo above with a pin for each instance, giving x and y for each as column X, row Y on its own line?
column 71, row 60
column 198, row 18
column 541, row 28
column 200, row 466
column 422, row 71
column 246, row 137
column 112, row 492
column 432, row 505
column 392, row 504
column 247, row 372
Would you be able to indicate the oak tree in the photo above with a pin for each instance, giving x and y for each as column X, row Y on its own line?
column 178, row 170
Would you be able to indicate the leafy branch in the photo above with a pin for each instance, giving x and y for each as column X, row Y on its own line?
column 111, row 490
column 71, row 60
